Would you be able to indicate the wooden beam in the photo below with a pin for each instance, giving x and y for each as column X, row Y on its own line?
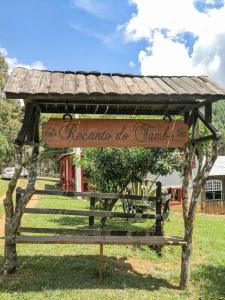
column 107, row 240
column 212, row 129
column 208, row 113
column 94, row 213
column 92, row 232
column 27, row 123
column 96, row 195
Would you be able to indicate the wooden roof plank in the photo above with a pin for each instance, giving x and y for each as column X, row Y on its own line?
column 133, row 86
column 43, row 83
column 69, row 84
column 16, row 80
column 174, row 85
column 194, row 85
column 164, row 86
column 56, row 86
column 109, row 86
column 143, row 85
column 187, row 87
column 81, row 85
column 207, row 87
column 212, row 84
column 93, row 84
column 30, row 81
column 121, row 85
column 154, row 85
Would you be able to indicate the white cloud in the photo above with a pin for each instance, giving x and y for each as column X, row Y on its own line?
column 13, row 62
column 161, row 23
column 165, row 57
column 94, row 7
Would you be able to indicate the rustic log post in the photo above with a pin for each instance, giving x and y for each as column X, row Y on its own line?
column 10, row 234
column 13, row 214
column 206, row 159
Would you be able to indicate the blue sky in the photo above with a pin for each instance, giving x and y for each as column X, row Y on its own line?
column 66, row 35
column 164, row 37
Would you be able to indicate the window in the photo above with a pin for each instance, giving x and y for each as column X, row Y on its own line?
column 213, row 189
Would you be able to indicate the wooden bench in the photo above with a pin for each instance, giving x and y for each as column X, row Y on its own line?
column 102, row 240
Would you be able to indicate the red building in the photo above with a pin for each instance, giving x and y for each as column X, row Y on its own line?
column 67, row 172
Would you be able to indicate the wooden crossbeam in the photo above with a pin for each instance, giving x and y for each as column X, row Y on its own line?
column 91, row 232
column 107, row 240
column 95, row 195
column 94, row 213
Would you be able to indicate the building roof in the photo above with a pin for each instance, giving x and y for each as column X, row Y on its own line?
column 161, row 93
column 218, row 168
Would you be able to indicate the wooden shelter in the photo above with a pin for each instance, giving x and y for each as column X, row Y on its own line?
column 189, row 97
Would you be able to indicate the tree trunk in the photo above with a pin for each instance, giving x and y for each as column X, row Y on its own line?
column 10, row 255
column 10, row 244
column 186, row 257
column 189, row 207
column 13, row 215
column 108, row 208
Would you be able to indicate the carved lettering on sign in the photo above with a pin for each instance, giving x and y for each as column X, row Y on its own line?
column 115, row 133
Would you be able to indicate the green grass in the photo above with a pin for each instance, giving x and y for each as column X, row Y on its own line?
column 3, row 186
column 70, row 271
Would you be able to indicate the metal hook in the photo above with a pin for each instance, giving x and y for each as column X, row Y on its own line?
column 167, row 116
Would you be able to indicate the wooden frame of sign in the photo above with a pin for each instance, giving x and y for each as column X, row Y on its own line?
column 115, row 133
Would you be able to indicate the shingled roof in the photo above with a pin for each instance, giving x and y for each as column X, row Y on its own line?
column 93, row 88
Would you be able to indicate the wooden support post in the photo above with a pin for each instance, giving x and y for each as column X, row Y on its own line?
column 92, row 207
column 27, row 123
column 101, row 262
column 208, row 112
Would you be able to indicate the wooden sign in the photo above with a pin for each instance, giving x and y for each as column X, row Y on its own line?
column 115, row 133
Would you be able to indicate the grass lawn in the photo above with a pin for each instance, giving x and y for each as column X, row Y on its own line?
column 131, row 272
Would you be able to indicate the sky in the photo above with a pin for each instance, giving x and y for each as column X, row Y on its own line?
column 150, row 37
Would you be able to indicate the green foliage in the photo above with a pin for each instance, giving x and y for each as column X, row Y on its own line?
column 3, row 72
column 218, row 121
column 4, row 148
column 112, row 169
column 10, row 118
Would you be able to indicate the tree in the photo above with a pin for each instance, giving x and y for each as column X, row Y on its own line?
column 112, row 169
column 10, row 115
column 206, row 156
column 3, row 72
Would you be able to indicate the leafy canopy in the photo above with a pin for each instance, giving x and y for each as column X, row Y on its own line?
column 112, row 169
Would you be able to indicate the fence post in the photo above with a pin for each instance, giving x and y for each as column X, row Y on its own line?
column 158, row 207
column 92, row 207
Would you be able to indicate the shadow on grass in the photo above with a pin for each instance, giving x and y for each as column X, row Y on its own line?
column 212, row 281
column 70, row 221
column 77, row 272
column 112, row 224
